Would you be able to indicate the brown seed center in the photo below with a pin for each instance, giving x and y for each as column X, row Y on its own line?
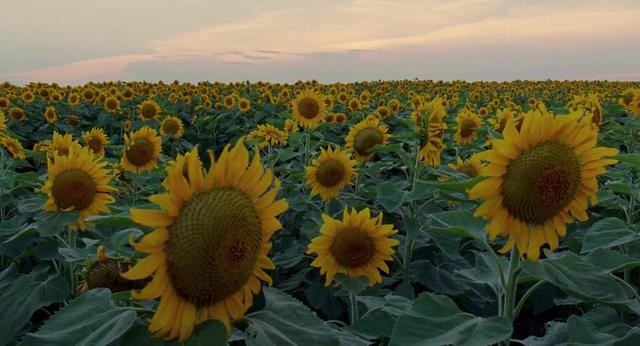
column 73, row 188
column 352, row 248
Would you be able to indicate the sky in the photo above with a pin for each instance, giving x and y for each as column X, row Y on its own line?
column 76, row 41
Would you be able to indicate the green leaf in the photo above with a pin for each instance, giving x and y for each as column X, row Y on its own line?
column 580, row 278
column 286, row 321
column 51, row 223
column 210, row 333
column 453, row 186
column 436, row 320
column 390, row 196
column 632, row 159
column 387, row 148
column 607, row 233
column 460, row 223
column 91, row 319
column 23, row 297
column 351, row 284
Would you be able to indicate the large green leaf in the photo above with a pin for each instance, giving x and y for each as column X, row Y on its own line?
column 436, row 320
column 607, row 233
column 460, row 223
column 632, row 159
column 91, row 319
column 23, row 297
column 286, row 321
column 390, row 196
column 581, row 279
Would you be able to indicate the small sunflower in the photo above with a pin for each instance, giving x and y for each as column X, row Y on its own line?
column 357, row 245
column 4, row 102
column 73, row 99
column 50, row 115
column 62, row 144
column 330, row 172
column 3, row 122
column 17, row 114
column 106, row 272
column 308, row 109
column 470, row 167
column 172, row 126
column 142, row 150
column 96, row 139
column 78, row 182
column 273, row 135
column 539, row 179
column 148, row 110
column 211, row 241
column 73, row 120
column 435, row 126
column 244, row 105
column 111, row 104
column 502, row 118
column 468, row 122
column 291, row 125
column 363, row 136
column 13, row 146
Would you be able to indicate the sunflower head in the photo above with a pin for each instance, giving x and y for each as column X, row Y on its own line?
column 470, row 167
column 308, row 108
column 538, row 181
column 17, row 114
column 3, row 122
column 62, row 144
column 358, row 245
column 78, row 182
column 330, row 172
column 148, row 110
column 13, row 146
column 172, row 126
column 96, row 139
column 365, row 135
column 468, row 122
column 142, row 150
column 244, row 104
column 209, row 249
column 111, row 104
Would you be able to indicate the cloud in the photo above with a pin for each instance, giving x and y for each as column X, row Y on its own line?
column 373, row 31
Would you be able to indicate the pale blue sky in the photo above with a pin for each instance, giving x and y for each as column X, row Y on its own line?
column 74, row 41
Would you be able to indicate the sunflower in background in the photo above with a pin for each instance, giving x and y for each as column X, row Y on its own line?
column 308, row 109
column 172, row 126
column 62, row 144
column 471, row 167
column 209, row 249
column 142, row 150
column 50, row 115
column 365, row 135
column 358, row 245
column 330, row 173
column 96, row 139
column 148, row 110
column 468, row 122
column 501, row 119
column 79, row 182
column 244, row 105
column 433, row 143
column 111, row 104
column 13, row 146
column 17, row 114
column 73, row 99
column 5, row 103
column 539, row 181
column 3, row 122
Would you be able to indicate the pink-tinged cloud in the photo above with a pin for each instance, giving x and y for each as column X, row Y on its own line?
column 108, row 68
column 378, row 29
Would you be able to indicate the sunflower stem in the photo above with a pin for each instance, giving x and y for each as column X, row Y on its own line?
column 512, row 284
column 353, row 302
column 526, row 296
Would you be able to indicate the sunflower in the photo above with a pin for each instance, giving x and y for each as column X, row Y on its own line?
column 341, row 118
column 308, row 109
column 357, row 245
column 50, row 115
column 73, row 120
column 148, row 110
column 539, row 180
column 501, row 119
column 433, row 143
column 126, row 126
column 4, row 103
column 3, row 122
column 634, row 106
column 62, row 144
column 273, row 135
column 244, row 104
column 96, row 139
column 209, row 249
column 468, row 122
column 27, row 97
column 330, row 172
column 143, row 148
column 78, row 182
column 73, row 99
column 229, row 101
column 291, row 125
column 354, row 105
column 13, row 146
column 363, row 136
column 470, row 167
column 17, row 114
column 111, row 104
column 106, row 272
column 172, row 126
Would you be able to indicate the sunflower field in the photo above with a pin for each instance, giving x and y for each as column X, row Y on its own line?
column 390, row 212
